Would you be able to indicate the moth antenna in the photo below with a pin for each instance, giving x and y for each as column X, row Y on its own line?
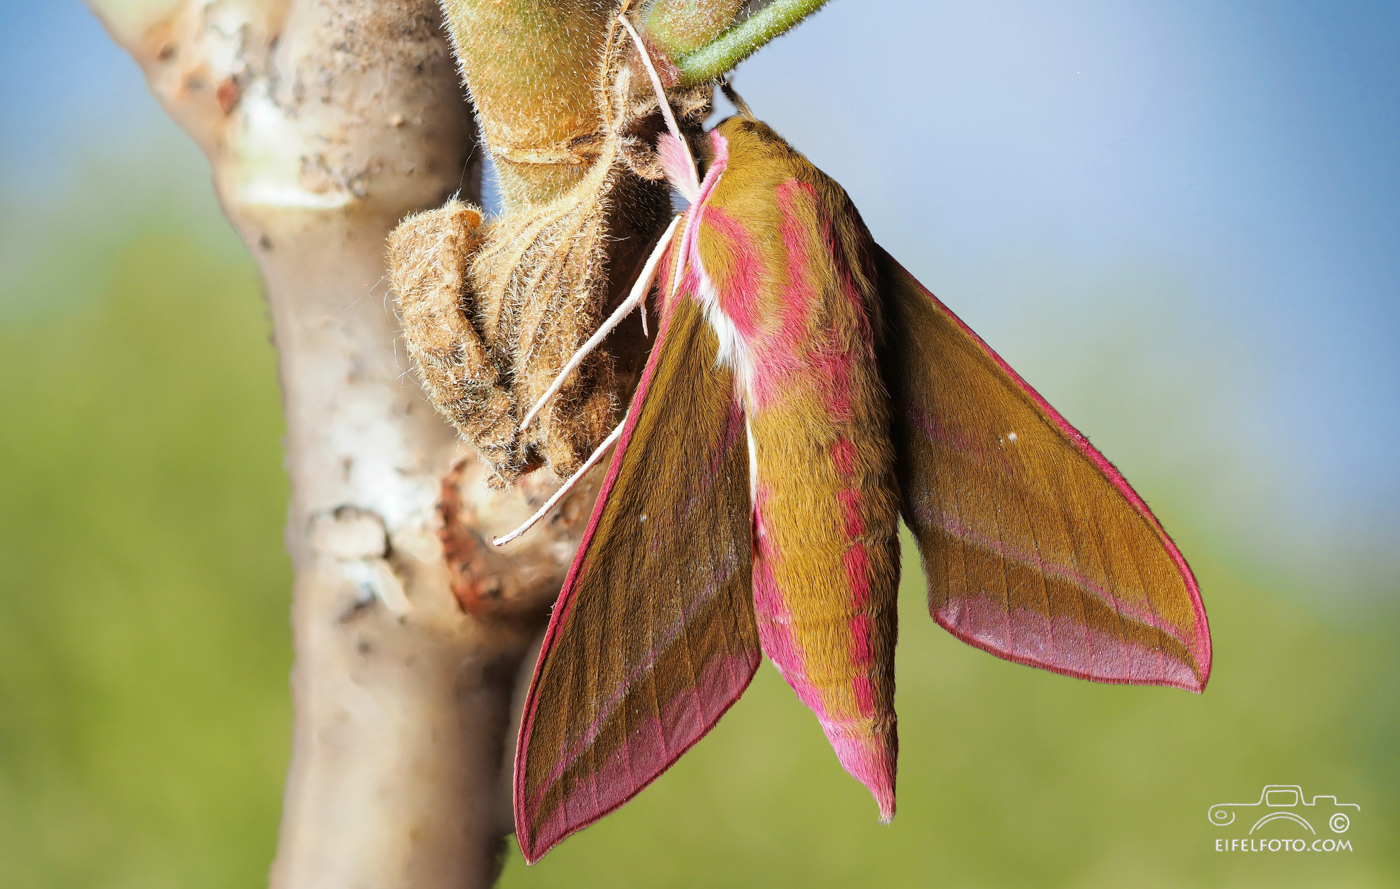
column 729, row 93
column 636, row 297
column 564, row 488
column 692, row 170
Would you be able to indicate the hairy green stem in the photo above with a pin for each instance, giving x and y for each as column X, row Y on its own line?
column 680, row 27
column 740, row 41
column 532, row 69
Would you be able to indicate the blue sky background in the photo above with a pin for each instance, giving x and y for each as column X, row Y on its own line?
column 1183, row 215
column 1177, row 220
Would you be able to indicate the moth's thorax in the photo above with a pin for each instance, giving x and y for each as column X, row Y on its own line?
column 779, row 255
column 733, row 350
column 733, row 353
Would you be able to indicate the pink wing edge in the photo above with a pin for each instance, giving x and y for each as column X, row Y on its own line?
column 1200, row 645
column 531, row 847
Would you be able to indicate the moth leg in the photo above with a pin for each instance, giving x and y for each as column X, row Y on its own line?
column 564, row 488
column 429, row 257
column 635, row 298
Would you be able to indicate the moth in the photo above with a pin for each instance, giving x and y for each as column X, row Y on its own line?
column 804, row 393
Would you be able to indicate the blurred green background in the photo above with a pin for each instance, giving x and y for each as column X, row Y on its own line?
column 1179, row 223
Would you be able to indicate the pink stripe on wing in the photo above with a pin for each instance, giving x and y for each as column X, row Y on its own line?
column 1104, row 658
column 690, row 234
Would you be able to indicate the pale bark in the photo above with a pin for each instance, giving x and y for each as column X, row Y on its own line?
column 325, row 122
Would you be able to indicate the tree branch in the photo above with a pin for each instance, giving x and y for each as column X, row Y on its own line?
column 325, row 122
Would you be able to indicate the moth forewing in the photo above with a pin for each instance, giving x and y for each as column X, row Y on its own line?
column 653, row 637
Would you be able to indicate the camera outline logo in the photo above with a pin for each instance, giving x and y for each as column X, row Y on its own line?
column 1278, row 802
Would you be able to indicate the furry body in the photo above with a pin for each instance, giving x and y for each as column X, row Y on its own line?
column 778, row 256
column 804, row 393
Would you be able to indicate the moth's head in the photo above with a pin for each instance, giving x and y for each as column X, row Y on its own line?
column 711, row 156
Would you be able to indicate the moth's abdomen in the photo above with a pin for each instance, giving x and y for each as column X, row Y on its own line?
column 826, row 571
column 782, row 255
column 826, row 551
